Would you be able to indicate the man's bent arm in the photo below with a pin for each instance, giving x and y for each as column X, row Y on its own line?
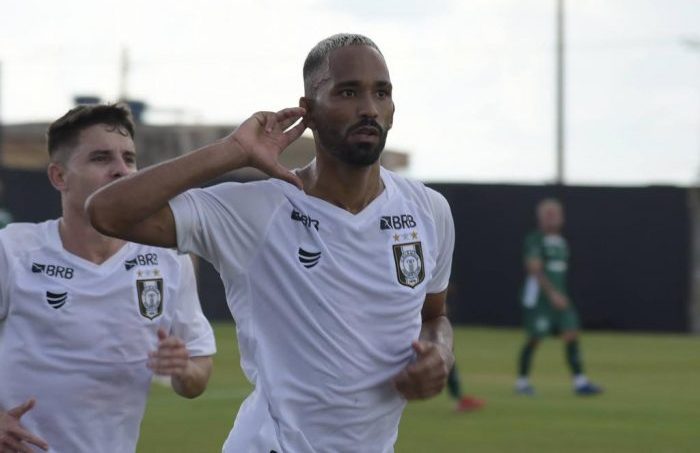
column 426, row 377
column 136, row 207
column 534, row 267
column 436, row 327
column 193, row 381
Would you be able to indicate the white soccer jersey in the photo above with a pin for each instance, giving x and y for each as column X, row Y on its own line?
column 326, row 305
column 76, row 335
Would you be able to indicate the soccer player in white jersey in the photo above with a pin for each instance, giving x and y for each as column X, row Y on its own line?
column 338, row 289
column 85, row 319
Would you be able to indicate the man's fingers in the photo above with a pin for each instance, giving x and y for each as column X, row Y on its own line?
column 26, row 436
column 284, row 124
column 420, row 347
column 10, row 444
column 19, row 435
column 19, row 411
column 162, row 334
column 295, row 132
column 290, row 113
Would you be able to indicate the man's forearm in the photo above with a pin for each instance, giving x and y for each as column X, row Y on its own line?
column 194, row 381
column 128, row 201
column 438, row 330
column 545, row 284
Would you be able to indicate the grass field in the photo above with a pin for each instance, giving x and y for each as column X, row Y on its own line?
column 652, row 400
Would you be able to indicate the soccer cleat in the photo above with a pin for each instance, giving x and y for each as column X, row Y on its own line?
column 469, row 404
column 588, row 389
column 526, row 389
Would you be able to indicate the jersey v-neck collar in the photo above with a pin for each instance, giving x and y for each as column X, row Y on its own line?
column 369, row 210
column 54, row 239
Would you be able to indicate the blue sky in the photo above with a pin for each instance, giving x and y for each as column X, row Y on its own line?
column 473, row 79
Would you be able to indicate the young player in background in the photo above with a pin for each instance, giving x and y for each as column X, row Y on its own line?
column 547, row 308
column 85, row 319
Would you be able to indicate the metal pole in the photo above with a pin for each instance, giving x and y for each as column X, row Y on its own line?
column 560, row 99
column 123, row 74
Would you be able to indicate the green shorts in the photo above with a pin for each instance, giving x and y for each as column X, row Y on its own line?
column 540, row 322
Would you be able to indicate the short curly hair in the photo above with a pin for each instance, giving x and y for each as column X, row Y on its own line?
column 318, row 56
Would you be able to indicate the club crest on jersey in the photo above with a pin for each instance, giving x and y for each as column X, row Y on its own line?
column 150, row 297
column 409, row 263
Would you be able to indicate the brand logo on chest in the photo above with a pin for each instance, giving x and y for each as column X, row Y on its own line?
column 56, row 300
column 53, row 270
column 396, row 222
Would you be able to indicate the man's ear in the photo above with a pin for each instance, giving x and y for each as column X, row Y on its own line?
column 308, row 105
column 56, row 174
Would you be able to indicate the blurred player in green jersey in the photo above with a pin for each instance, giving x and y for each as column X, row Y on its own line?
column 547, row 307
column 5, row 216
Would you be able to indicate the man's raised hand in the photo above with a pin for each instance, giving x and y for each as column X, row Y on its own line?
column 264, row 136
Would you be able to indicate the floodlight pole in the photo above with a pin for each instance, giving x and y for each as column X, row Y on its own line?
column 560, row 96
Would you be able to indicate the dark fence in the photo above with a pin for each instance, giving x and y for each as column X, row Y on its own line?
column 630, row 253
column 630, row 250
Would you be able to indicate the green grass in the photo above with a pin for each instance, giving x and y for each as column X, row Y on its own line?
column 651, row 404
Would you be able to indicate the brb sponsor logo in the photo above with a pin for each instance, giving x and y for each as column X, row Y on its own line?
column 147, row 259
column 53, row 270
column 306, row 220
column 396, row 222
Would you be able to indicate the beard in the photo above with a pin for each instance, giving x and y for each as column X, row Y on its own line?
column 338, row 145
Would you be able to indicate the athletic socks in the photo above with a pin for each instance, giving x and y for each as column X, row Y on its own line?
column 580, row 380
column 454, row 387
column 522, row 382
column 526, row 359
column 573, row 358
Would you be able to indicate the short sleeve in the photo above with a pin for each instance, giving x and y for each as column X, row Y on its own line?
column 532, row 248
column 445, row 229
column 226, row 221
column 189, row 323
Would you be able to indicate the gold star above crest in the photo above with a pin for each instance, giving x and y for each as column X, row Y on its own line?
column 139, row 273
column 156, row 272
column 396, row 238
column 414, row 235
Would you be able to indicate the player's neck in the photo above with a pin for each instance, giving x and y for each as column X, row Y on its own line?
column 350, row 188
column 81, row 239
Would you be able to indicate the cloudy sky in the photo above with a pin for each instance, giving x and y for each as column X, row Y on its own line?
column 474, row 79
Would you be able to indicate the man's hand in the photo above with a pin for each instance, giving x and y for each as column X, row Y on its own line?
column 425, row 377
column 171, row 358
column 262, row 138
column 559, row 301
column 13, row 437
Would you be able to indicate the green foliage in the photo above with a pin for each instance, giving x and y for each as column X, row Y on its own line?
column 651, row 404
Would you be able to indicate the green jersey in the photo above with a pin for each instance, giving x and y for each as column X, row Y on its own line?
column 553, row 251
column 5, row 218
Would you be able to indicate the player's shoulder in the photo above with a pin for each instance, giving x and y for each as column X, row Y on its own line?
column 258, row 193
column 25, row 236
column 534, row 237
column 411, row 188
column 155, row 256
column 416, row 191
